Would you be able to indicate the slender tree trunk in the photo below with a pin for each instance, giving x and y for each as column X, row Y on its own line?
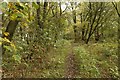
column 97, row 35
column 74, row 27
column 60, row 8
column 119, row 39
column 45, row 11
column 56, row 33
column 75, row 33
column 83, row 27
column 116, row 8
column 83, row 33
column 21, row 33
column 90, row 22
column 38, row 16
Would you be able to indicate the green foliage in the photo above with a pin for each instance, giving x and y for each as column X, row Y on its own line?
column 87, row 63
column 106, row 56
column 3, row 6
column 35, row 5
column 62, row 46
column 17, row 58
column 114, row 72
column 9, row 48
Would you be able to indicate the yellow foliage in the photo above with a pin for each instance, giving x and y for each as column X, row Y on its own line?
column 68, row 30
column 6, row 33
column 77, row 24
column 25, row 24
column 7, row 40
column 10, row 5
column 13, row 46
column 0, row 43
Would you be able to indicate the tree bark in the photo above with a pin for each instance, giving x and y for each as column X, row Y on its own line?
column 11, row 27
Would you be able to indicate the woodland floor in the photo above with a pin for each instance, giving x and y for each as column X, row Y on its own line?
column 99, row 61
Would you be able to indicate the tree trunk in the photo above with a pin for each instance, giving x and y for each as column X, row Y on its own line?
column 75, row 33
column 75, row 27
column 83, row 33
column 116, row 8
column 45, row 10
column 11, row 27
column 97, row 35
column 38, row 16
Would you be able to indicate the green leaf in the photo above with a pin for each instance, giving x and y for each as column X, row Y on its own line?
column 13, row 16
column 35, row 5
column 8, row 48
column 20, row 15
column 3, row 5
column 17, row 58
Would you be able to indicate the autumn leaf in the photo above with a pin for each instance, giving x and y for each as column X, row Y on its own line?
column 6, row 34
column 7, row 40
